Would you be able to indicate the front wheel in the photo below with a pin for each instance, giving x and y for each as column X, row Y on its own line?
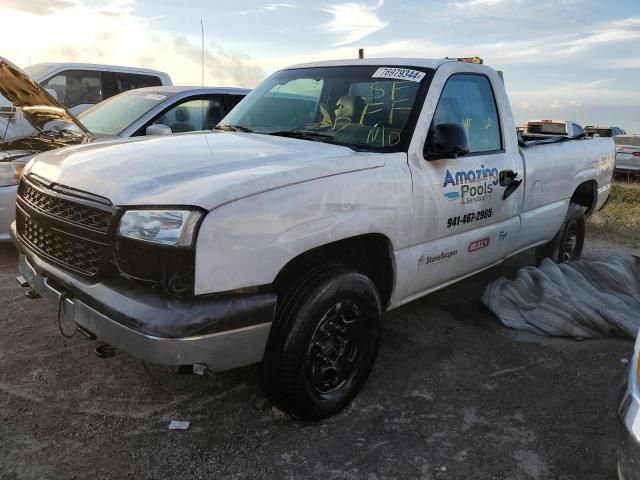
column 323, row 343
column 567, row 245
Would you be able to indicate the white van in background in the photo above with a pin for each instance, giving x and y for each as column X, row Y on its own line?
column 78, row 86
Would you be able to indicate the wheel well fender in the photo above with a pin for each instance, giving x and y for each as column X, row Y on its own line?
column 370, row 254
column 586, row 195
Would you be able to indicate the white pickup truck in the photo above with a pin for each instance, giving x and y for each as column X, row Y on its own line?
column 333, row 192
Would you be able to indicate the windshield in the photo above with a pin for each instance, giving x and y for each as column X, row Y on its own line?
column 112, row 116
column 363, row 107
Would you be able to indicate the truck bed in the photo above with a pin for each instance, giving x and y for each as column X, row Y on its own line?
column 552, row 169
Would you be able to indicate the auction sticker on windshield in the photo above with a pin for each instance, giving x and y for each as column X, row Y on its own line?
column 399, row 74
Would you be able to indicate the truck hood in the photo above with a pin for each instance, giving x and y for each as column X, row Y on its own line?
column 202, row 169
column 38, row 107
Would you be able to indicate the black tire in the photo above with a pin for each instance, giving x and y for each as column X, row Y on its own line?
column 567, row 245
column 323, row 343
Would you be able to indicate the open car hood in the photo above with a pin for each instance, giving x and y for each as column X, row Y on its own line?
column 37, row 106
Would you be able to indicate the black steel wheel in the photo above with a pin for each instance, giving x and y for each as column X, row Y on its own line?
column 337, row 347
column 323, row 343
column 567, row 245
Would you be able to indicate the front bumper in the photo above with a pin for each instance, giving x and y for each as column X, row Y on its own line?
column 7, row 210
column 629, row 449
column 223, row 333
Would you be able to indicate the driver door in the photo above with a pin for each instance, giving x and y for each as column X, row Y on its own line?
column 462, row 221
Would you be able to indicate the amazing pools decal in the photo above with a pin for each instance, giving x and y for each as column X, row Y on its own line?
column 468, row 186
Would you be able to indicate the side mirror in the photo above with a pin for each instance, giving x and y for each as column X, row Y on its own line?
column 447, row 140
column 158, row 129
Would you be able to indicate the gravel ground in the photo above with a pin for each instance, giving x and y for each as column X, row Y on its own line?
column 453, row 395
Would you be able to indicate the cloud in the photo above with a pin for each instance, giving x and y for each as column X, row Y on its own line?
column 228, row 68
column 571, row 47
column 507, row 12
column 623, row 63
column 617, row 31
column 113, row 34
column 470, row 4
column 353, row 21
column 522, row 105
column 556, row 104
column 117, row 7
column 588, row 92
column 275, row 6
column 38, row 7
column 270, row 7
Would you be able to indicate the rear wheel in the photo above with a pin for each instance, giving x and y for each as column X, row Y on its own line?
column 567, row 245
column 323, row 343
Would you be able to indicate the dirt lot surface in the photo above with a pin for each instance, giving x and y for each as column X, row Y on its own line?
column 454, row 395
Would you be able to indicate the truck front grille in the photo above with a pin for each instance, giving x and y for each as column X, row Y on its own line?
column 69, row 211
column 64, row 227
column 72, row 253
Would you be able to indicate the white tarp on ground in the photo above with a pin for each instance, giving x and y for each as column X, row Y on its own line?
column 589, row 298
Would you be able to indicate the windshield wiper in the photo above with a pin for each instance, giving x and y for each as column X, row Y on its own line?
column 304, row 135
column 233, row 128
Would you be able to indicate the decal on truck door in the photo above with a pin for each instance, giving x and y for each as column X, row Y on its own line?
column 478, row 244
column 468, row 186
column 469, row 217
column 425, row 260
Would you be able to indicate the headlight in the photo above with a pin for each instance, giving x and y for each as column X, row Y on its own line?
column 10, row 173
column 167, row 227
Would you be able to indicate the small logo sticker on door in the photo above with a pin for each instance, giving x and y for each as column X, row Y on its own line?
column 479, row 244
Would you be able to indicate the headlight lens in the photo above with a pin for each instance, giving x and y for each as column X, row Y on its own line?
column 166, row 227
column 10, row 173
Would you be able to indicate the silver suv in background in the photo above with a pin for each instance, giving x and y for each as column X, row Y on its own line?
column 160, row 110
column 627, row 154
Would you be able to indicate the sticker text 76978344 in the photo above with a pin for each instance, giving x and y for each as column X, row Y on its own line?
column 399, row 74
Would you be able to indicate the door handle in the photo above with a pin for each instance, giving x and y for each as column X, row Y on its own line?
column 508, row 179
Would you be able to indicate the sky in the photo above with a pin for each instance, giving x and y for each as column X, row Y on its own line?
column 564, row 59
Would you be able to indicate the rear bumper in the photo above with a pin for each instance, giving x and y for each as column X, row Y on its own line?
column 223, row 333
column 629, row 448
